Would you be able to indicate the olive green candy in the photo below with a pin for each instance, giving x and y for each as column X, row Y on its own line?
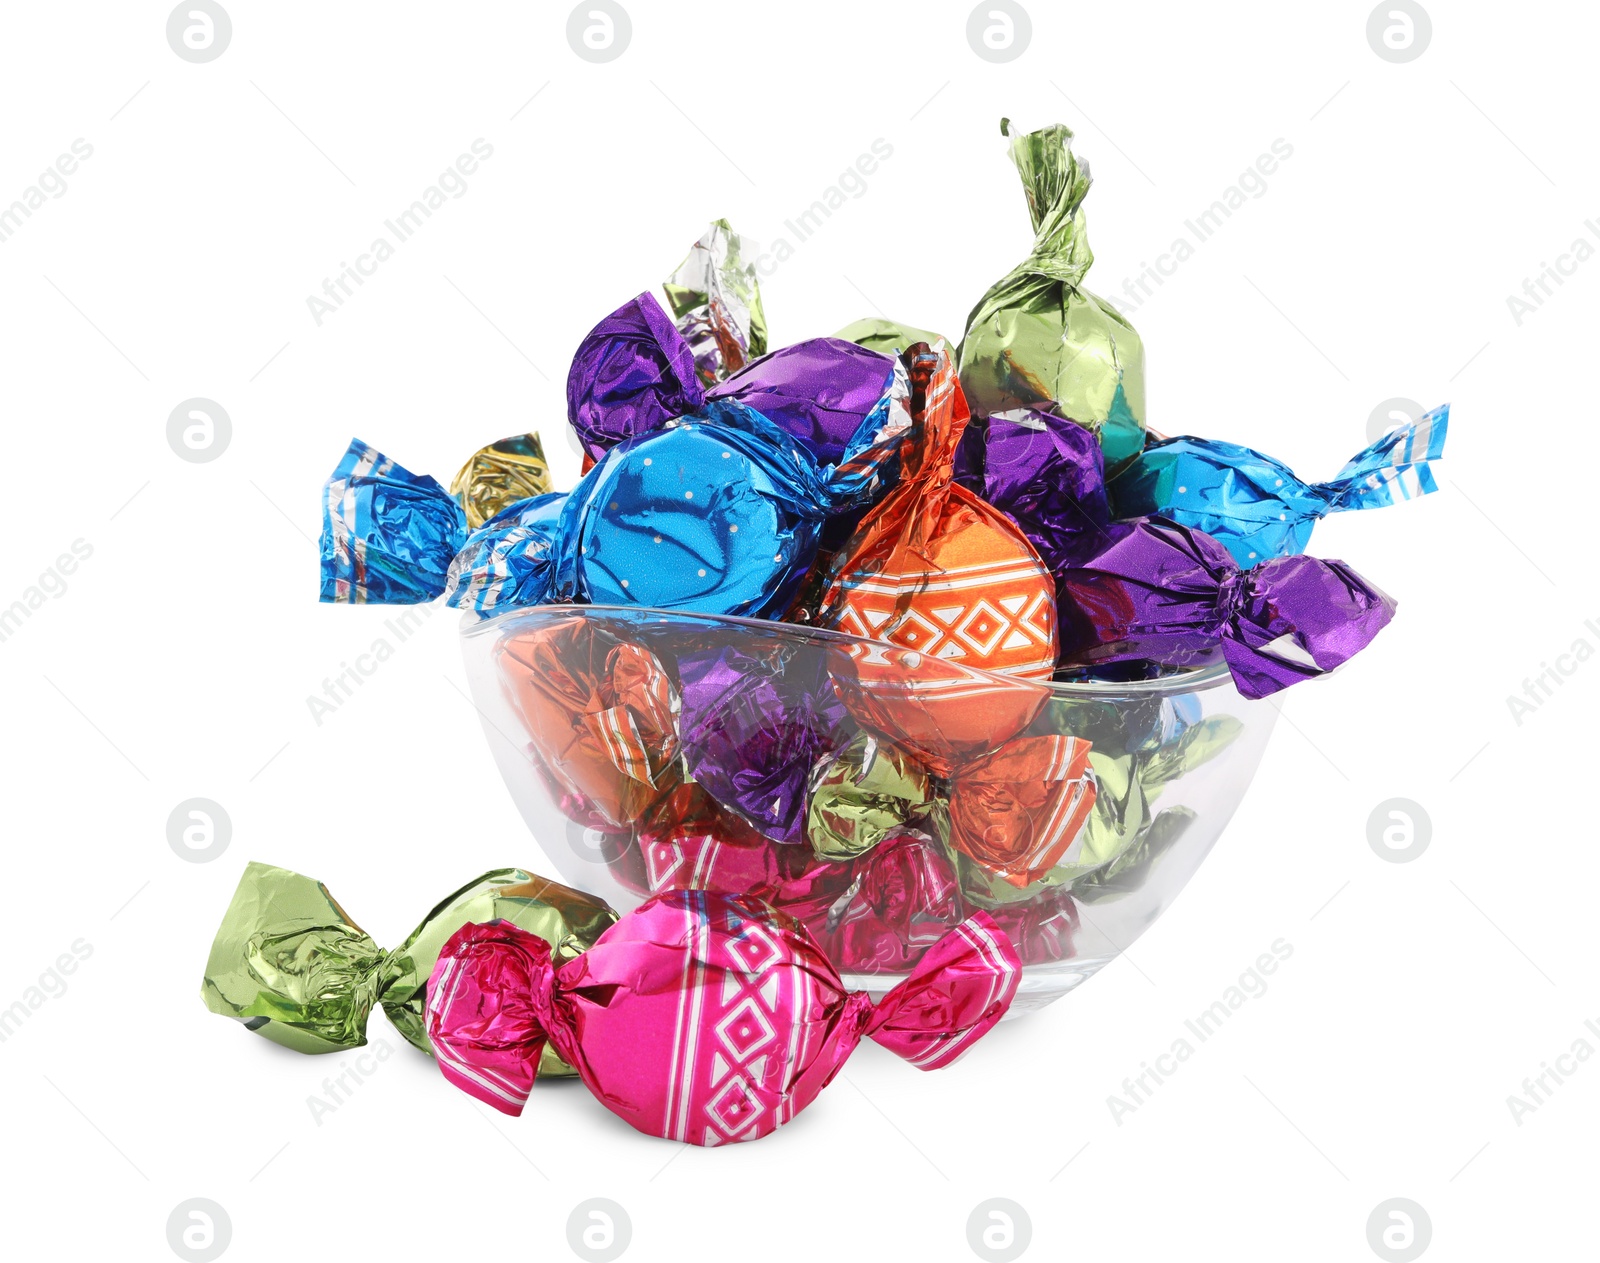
column 862, row 794
column 292, row 965
column 1038, row 336
column 888, row 337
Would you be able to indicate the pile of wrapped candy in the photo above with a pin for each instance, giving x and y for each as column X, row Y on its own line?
column 697, row 1017
column 955, row 528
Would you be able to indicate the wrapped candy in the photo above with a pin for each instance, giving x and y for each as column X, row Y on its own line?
column 632, row 374
column 1166, row 593
column 940, row 710
column 291, row 965
column 389, row 536
column 499, row 475
column 903, row 900
column 698, row 1017
column 1018, row 811
column 718, row 515
column 821, row 392
column 755, row 721
column 1255, row 506
column 716, row 302
column 861, row 794
column 1038, row 337
column 935, row 569
column 888, row 336
column 506, row 562
column 600, row 712
column 1130, row 870
column 1046, row 474
column 691, row 842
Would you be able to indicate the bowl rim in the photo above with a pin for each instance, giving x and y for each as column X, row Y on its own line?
column 1187, row 680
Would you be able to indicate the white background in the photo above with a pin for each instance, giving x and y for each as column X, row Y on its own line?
column 178, row 660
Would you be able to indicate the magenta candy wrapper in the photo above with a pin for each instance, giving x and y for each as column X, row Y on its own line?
column 698, row 1017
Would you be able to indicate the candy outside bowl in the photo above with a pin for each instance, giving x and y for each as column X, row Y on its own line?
column 651, row 750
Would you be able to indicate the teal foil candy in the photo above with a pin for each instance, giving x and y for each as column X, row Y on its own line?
column 1256, row 506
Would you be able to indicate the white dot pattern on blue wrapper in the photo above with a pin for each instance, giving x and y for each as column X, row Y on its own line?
column 1181, row 490
column 688, row 495
column 1279, row 483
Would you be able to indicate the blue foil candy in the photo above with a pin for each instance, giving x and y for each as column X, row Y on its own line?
column 388, row 535
column 506, row 562
column 1254, row 505
column 720, row 513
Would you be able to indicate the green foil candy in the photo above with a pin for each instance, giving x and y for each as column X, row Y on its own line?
column 291, row 965
column 861, row 795
column 888, row 337
column 1039, row 336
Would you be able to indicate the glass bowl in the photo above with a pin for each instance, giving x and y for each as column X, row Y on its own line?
column 583, row 707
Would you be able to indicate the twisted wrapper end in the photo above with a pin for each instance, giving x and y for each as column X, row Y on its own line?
column 489, row 1006
column 960, row 988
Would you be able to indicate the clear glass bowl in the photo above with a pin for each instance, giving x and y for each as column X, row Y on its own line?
column 601, row 784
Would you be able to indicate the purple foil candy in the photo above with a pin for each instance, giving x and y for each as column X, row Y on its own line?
column 1163, row 592
column 631, row 375
column 819, row 391
column 752, row 728
column 1047, row 474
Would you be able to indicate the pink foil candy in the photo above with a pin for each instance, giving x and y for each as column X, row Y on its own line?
column 699, row 1017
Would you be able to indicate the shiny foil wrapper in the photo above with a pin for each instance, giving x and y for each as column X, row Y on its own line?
column 1038, row 337
column 1018, row 812
column 935, row 569
column 692, row 842
column 701, row 1018
column 631, row 374
column 507, row 561
column 291, row 965
column 388, row 535
column 903, row 900
column 1255, row 506
column 392, row 537
column 862, row 794
column 600, row 712
column 719, row 514
column 497, row 476
column 941, row 712
column 1046, row 474
column 821, row 392
column 716, row 302
column 1164, row 593
column 755, row 721
column 888, row 336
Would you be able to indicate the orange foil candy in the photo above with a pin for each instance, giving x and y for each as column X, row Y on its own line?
column 1018, row 811
column 601, row 714
column 949, row 579
column 934, row 568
